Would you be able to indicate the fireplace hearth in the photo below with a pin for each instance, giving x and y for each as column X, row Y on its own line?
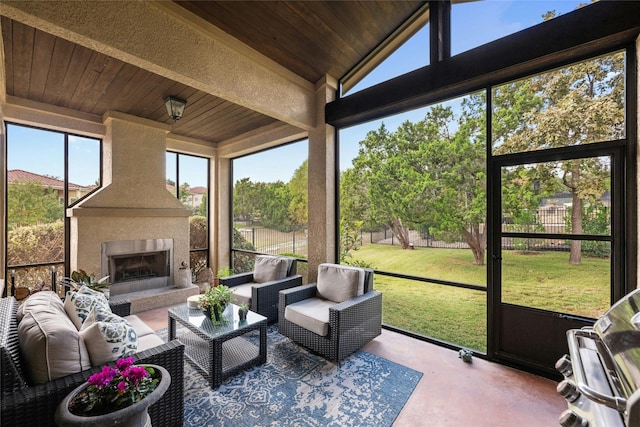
column 138, row 265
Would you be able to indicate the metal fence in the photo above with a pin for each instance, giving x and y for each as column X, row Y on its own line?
column 292, row 240
column 548, row 219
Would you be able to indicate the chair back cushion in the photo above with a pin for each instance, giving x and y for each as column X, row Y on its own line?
column 268, row 268
column 292, row 266
column 339, row 283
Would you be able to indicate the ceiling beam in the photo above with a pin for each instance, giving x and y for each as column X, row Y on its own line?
column 260, row 139
column 575, row 36
column 169, row 41
column 33, row 113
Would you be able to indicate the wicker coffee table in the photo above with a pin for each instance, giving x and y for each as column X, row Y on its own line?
column 222, row 350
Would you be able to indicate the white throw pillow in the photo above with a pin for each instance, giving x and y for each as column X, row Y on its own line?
column 51, row 345
column 108, row 339
column 339, row 283
column 79, row 304
column 268, row 268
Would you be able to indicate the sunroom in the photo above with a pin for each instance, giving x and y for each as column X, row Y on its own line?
column 261, row 79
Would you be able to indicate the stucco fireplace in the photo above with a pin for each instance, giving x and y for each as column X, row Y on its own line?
column 133, row 205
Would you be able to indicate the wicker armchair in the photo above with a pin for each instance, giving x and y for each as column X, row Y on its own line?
column 263, row 297
column 332, row 329
column 34, row 405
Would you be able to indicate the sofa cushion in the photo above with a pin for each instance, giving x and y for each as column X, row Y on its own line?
column 78, row 304
column 45, row 299
column 108, row 339
column 311, row 314
column 268, row 268
column 339, row 283
column 149, row 341
column 147, row 338
column 51, row 345
column 242, row 293
column 141, row 328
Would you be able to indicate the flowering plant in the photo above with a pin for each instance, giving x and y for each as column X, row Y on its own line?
column 115, row 388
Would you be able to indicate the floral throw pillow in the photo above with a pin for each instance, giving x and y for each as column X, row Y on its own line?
column 108, row 337
column 79, row 304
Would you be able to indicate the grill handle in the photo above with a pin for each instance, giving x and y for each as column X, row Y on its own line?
column 617, row 403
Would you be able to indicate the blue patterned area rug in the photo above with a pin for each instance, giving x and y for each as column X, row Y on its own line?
column 298, row 388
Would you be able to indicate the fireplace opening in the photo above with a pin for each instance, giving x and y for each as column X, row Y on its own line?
column 138, row 265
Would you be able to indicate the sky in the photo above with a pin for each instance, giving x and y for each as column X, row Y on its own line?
column 498, row 19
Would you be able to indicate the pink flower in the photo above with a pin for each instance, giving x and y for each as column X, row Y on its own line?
column 102, row 378
column 114, row 388
column 135, row 374
column 123, row 364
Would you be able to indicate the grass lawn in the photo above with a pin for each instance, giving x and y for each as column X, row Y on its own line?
column 543, row 280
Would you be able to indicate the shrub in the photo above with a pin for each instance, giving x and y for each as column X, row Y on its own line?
column 36, row 244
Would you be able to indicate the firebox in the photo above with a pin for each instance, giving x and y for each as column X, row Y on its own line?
column 138, row 265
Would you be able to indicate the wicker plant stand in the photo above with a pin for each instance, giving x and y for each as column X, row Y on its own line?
column 219, row 351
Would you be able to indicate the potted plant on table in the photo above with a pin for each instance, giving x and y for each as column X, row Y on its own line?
column 120, row 394
column 214, row 300
column 243, row 309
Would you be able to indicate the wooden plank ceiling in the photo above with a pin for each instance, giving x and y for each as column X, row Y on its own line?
column 309, row 38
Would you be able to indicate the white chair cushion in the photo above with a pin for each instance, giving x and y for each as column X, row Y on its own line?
column 242, row 293
column 108, row 339
column 311, row 314
column 268, row 268
column 51, row 345
column 339, row 283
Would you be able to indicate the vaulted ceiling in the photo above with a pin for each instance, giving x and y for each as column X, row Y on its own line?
column 311, row 39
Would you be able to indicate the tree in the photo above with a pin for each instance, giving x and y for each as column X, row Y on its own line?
column 430, row 172
column 380, row 158
column 273, row 202
column 203, row 209
column 455, row 155
column 298, row 189
column 31, row 203
column 579, row 104
column 184, row 191
column 244, row 206
column 354, row 198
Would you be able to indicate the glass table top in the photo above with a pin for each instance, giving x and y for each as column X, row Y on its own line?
column 231, row 322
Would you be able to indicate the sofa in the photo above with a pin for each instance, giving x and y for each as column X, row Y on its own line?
column 30, row 394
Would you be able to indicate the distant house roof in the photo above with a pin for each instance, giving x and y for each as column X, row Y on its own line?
column 18, row 175
column 198, row 190
column 192, row 190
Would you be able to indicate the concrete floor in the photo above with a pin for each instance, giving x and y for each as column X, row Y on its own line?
column 454, row 393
